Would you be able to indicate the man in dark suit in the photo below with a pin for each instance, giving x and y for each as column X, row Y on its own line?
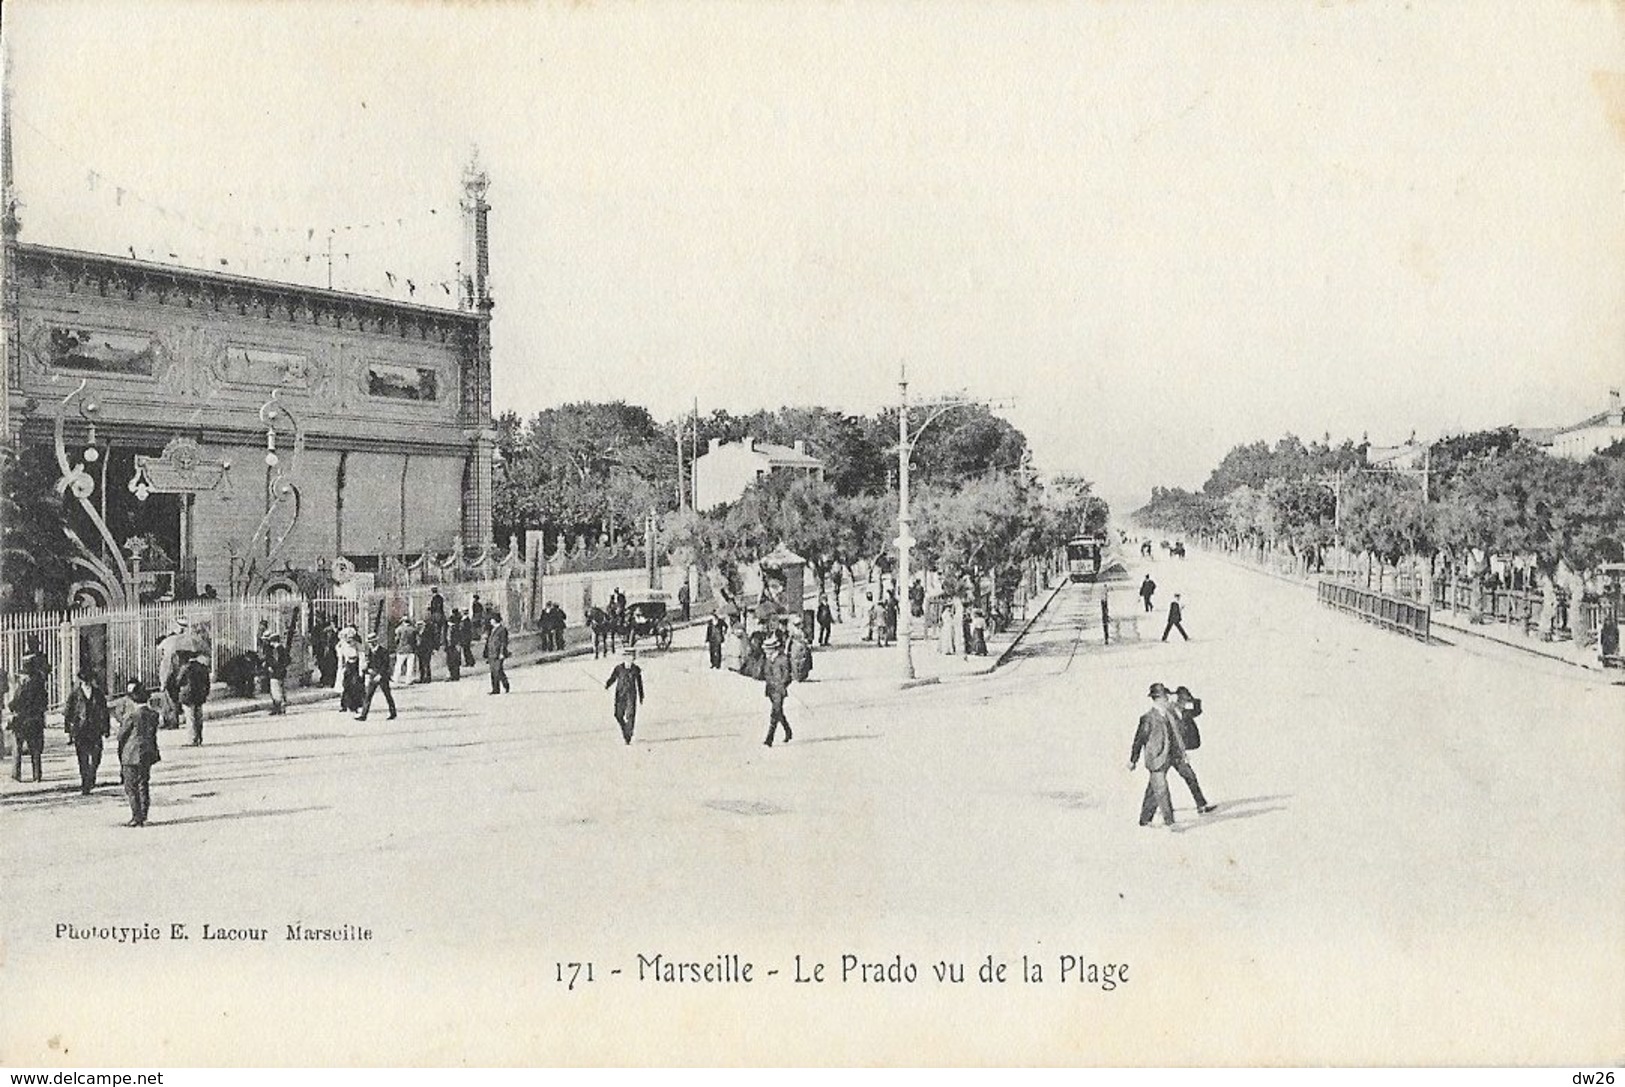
column 454, row 644
column 1158, row 737
column 777, row 674
column 377, row 668
column 684, row 601
column 825, row 618
column 275, row 662
column 716, row 635
column 86, row 720
column 1176, row 616
column 627, row 679
column 1187, row 708
column 496, row 653
column 1148, row 589
column 138, row 751
column 193, row 691
column 29, row 701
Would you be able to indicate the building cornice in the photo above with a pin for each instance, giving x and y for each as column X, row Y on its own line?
column 71, row 271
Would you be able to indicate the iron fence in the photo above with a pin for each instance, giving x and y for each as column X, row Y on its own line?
column 1388, row 612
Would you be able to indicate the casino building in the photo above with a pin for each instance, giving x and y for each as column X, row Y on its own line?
column 245, row 432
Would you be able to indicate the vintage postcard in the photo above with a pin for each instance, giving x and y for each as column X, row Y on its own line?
column 812, row 534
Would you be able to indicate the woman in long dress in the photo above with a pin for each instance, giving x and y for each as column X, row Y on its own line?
column 948, row 636
column 348, row 682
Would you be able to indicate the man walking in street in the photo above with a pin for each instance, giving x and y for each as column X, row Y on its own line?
column 454, row 644
column 193, row 692
column 1158, row 737
column 406, row 652
column 1148, row 589
column 276, row 672
column 86, row 720
column 1105, row 620
column 428, row 642
column 138, row 751
column 27, row 716
column 716, row 634
column 171, row 650
column 684, row 601
column 378, row 670
column 1176, row 616
column 465, row 636
column 776, row 680
column 825, row 618
column 1187, row 708
column 496, row 652
column 627, row 679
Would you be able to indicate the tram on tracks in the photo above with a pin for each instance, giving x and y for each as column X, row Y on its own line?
column 1084, row 557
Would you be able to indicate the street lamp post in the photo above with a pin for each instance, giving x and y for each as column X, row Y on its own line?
column 905, row 540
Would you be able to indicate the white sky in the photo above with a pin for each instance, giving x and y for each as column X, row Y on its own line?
column 1162, row 228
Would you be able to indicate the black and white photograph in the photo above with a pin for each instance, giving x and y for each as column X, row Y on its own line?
column 808, row 534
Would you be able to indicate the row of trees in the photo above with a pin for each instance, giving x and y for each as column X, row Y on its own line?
column 1472, row 496
column 593, row 472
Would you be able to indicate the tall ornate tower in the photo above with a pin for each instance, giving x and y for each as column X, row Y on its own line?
column 475, row 294
column 9, row 229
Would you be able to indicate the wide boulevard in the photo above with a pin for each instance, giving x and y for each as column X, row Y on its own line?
column 1418, row 855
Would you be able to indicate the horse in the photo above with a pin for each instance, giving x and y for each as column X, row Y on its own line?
column 604, row 631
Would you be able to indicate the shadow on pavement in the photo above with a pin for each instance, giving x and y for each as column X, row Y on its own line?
column 1075, row 801
column 64, row 794
column 746, row 807
column 251, row 814
column 1237, row 809
column 839, row 739
column 697, row 736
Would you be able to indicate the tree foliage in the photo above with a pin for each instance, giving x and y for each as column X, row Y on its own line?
column 1489, row 492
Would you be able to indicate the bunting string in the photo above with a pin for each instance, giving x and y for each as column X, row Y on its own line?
column 311, row 253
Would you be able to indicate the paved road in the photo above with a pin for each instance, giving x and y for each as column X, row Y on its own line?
column 1418, row 855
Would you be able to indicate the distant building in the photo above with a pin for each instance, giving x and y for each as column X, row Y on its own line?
column 1539, row 436
column 1407, row 455
column 1590, row 435
column 723, row 471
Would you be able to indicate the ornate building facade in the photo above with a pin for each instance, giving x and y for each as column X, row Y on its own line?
column 248, row 429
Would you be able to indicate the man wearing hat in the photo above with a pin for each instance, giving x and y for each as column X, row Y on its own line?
column 716, row 635
column 192, row 688
column 275, row 660
column 378, row 668
column 776, row 676
column 627, row 679
column 496, row 653
column 138, row 750
column 171, row 648
column 1187, row 708
column 27, row 707
column 1158, row 737
column 1176, row 619
column 86, row 720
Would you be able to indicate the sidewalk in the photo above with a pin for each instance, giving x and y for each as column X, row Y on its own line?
column 848, row 658
column 1457, row 623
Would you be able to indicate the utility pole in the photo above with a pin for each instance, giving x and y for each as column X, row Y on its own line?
column 905, row 539
column 682, row 492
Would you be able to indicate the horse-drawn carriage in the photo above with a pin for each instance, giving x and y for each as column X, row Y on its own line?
column 648, row 619
column 644, row 617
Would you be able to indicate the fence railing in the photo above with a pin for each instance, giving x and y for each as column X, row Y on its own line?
column 1388, row 612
